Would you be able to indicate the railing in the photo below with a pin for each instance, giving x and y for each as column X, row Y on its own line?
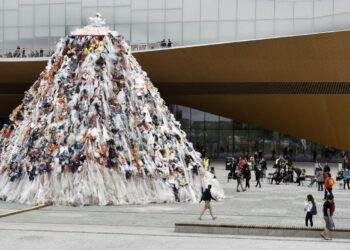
column 18, row 53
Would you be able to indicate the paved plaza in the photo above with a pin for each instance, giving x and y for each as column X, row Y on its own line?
column 152, row 226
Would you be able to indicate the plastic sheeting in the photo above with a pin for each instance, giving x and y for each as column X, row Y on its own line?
column 94, row 130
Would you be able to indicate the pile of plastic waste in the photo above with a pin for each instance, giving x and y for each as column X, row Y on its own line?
column 94, row 130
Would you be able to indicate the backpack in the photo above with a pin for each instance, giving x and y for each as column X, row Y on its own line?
column 330, row 181
column 313, row 210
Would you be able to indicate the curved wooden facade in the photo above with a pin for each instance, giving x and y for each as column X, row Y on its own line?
column 295, row 85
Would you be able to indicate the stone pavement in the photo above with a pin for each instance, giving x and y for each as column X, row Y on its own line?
column 152, row 226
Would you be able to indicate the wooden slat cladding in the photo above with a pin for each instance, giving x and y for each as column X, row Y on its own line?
column 251, row 88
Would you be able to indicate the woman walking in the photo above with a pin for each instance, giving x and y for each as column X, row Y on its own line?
column 246, row 175
column 311, row 210
column 258, row 176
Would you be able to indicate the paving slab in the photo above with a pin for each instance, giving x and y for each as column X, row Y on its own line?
column 135, row 225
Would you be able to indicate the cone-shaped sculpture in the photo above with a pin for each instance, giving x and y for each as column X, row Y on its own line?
column 94, row 130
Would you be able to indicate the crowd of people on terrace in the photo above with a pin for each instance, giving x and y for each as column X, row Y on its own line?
column 284, row 172
column 22, row 53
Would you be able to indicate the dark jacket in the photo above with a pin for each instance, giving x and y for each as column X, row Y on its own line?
column 297, row 171
column 206, row 196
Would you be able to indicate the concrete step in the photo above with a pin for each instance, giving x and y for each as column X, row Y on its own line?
column 258, row 230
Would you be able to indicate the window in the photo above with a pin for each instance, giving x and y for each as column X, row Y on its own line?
column 197, row 119
column 303, row 10
column 174, row 31
column 265, row 9
column 26, row 15
column 26, row 32
column 246, row 9
column 26, row 1
column 173, row 15
column 11, row 34
column 105, row 2
column 323, row 8
column 209, row 31
column 139, row 33
column 341, row 21
column 88, row 12
column 124, row 29
column 156, row 16
column 341, row 6
column 209, row 10
column 191, row 10
column 156, row 4
column 156, row 32
column 228, row 9
column 41, row 31
column 323, row 23
column 139, row 4
column 241, row 141
column 11, row 18
column 283, row 27
column 57, row 31
column 122, row 14
column 191, row 32
column 264, row 28
column 225, row 143
column 43, row 18
column 303, row 26
column 10, row 4
column 227, row 31
column 172, row 4
column 226, row 123
column 139, row 16
column 57, row 14
column 183, row 115
column 211, row 121
column 245, row 30
column 284, row 10
column 73, row 12
column 122, row 2
column 89, row 3
column 107, row 13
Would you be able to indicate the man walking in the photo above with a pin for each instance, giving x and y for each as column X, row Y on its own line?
column 328, row 210
column 207, row 197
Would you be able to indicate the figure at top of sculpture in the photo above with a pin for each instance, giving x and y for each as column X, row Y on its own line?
column 97, row 21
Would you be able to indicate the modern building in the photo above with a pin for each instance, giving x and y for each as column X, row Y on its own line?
column 246, row 65
column 34, row 24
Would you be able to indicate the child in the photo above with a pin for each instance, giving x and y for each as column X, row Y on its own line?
column 310, row 208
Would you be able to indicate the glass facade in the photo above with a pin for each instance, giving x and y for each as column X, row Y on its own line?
column 39, row 23
column 220, row 137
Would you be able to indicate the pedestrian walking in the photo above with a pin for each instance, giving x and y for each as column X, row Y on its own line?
column 247, row 175
column 311, row 210
column 328, row 211
column 207, row 197
column 263, row 165
column 298, row 173
column 206, row 163
column 239, row 177
column 328, row 185
column 258, row 173
column 346, row 178
column 320, row 180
